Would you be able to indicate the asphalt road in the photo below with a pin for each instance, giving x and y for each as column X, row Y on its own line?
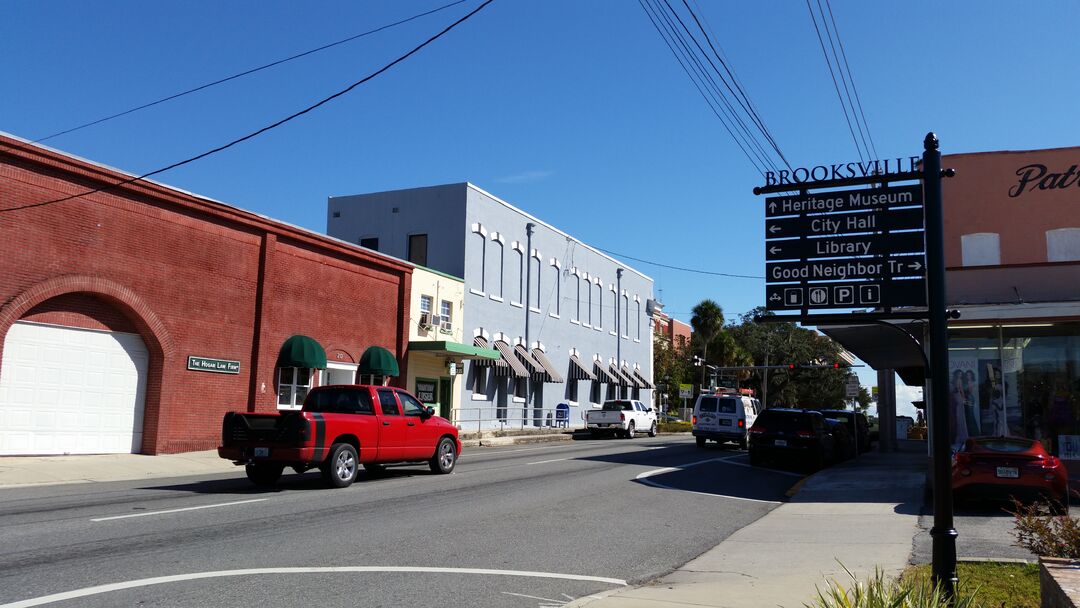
column 518, row 526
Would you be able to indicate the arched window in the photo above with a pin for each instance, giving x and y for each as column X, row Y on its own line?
column 637, row 302
column 498, row 265
column 534, row 260
column 520, row 273
column 599, row 302
column 481, row 233
column 557, row 282
column 626, row 316
column 589, row 287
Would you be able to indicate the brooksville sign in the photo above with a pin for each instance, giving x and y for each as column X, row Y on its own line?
column 801, row 175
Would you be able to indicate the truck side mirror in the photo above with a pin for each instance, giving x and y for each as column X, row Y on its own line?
column 427, row 412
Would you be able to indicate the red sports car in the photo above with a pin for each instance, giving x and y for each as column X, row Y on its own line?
column 1001, row 468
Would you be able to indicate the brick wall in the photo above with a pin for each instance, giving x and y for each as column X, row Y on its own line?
column 193, row 277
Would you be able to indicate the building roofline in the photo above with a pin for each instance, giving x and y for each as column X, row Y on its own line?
column 1001, row 152
column 157, row 189
column 554, row 229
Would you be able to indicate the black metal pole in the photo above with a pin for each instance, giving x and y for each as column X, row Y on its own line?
column 943, row 533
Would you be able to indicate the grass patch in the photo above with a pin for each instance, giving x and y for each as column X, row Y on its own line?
column 999, row 584
column 674, row 427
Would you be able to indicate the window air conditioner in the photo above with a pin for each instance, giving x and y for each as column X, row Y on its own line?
column 445, row 326
column 425, row 319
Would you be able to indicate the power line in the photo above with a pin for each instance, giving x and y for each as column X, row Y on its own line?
column 851, row 79
column 748, row 106
column 836, row 86
column 244, row 73
column 694, row 270
column 694, row 81
column 843, row 78
column 266, row 128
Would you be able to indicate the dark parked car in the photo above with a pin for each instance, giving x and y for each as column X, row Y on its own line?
column 859, row 418
column 1002, row 468
column 800, row 435
column 843, row 442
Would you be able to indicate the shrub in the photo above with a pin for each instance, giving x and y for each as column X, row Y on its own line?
column 1040, row 531
column 880, row 591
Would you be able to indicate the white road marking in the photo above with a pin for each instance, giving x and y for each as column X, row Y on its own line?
column 547, row 461
column 535, row 597
column 223, row 504
column 644, row 478
column 177, row 578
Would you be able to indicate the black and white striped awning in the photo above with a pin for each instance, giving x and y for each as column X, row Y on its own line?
column 541, row 358
column 578, row 371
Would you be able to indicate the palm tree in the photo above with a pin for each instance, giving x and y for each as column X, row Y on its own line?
column 708, row 322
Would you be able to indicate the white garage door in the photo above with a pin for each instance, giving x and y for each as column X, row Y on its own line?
column 71, row 391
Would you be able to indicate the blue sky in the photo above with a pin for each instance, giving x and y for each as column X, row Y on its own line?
column 572, row 110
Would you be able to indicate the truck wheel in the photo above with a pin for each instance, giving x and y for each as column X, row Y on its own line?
column 445, row 457
column 700, row 442
column 652, row 430
column 264, row 474
column 743, row 443
column 341, row 468
column 629, row 432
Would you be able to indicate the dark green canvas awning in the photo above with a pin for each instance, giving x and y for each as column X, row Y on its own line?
column 302, row 351
column 379, row 361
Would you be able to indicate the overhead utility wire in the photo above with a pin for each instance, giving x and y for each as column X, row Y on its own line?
column 851, row 79
column 835, row 84
column 694, row 270
column 733, row 112
column 748, row 106
column 707, row 79
column 244, row 73
column 693, row 81
column 843, row 78
column 268, row 127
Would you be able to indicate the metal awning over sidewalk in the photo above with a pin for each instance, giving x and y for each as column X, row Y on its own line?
column 884, row 345
column 454, row 349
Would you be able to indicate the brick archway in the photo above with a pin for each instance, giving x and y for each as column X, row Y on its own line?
column 150, row 327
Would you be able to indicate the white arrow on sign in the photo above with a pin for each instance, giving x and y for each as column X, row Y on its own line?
column 915, row 266
column 775, row 297
column 774, row 229
column 774, row 250
column 772, row 207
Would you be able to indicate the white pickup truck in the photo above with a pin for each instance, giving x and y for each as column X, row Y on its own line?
column 621, row 417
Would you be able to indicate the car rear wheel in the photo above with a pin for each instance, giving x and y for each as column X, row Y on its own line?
column 264, row 474
column 700, row 442
column 341, row 469
column 744, row 443
column 629, row 432
column 652, row 430
column 445, row 456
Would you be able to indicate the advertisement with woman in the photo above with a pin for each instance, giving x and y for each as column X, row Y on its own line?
column 964, row 411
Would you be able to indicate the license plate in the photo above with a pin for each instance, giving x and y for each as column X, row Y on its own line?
column 1008, row 472
column 725, row 422
column 262, row 452
column 780, row 442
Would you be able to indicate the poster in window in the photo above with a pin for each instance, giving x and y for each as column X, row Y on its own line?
column 964, row 413
column 425, row 391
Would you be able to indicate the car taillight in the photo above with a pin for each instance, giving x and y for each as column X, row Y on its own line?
column 742, row 424
column 962, row 459
column 805, row 434
column 693, row 420
column 622, row 417
column 758, row 429
column 1051, row 463
column 305, row 429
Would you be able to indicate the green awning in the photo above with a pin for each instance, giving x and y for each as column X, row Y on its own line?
column 454, row 349
column 302, row 351
column 379, row 361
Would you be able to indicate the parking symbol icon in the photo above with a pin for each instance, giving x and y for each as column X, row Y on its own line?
column 819, row 295
column 843, row 294
column 793, row 296
column 870, row 294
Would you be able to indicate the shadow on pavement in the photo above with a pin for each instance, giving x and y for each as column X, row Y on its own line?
column 308, row 481
column 874, row 477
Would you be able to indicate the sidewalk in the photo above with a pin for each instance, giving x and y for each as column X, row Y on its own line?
column 862, row 514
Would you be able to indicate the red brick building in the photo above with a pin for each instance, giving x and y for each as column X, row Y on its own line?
column 671, row 330
column 132, row 319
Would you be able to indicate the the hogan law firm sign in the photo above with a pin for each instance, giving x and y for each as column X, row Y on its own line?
column 196, row 363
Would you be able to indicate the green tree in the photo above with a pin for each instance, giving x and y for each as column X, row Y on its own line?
column 671, row 366
column 707, row 322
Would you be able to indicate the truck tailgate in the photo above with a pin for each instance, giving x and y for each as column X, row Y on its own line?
column 240, row 429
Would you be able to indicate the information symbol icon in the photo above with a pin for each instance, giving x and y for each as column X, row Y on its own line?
column 819, row 295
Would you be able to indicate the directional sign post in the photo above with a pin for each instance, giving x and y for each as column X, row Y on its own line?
column 845, row 249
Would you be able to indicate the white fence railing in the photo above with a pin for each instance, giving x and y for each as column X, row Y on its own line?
column 516, row 417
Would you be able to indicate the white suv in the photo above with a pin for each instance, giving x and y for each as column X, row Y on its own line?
column 724, row 418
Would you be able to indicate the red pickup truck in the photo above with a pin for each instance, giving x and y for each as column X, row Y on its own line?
column 339, row 428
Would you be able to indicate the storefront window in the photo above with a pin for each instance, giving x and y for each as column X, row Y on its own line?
column 1017, row 379
column 293, row 386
